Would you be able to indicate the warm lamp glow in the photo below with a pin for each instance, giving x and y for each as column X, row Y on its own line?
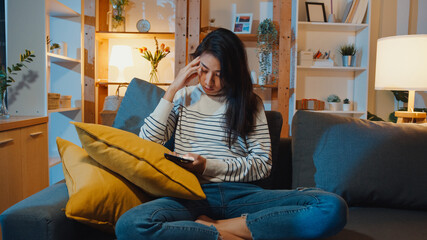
column 121, row 57
column 402, row 65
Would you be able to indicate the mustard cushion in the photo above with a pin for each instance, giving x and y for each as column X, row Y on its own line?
column 98, row 197
column 140, row 161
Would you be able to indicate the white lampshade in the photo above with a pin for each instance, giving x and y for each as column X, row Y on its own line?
column 402, row 63
column 121, row 56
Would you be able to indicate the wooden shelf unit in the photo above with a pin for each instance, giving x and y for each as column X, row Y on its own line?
column 187, row 36
column 62, row 21
column 315, row 82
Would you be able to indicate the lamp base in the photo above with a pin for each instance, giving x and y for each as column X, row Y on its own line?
column 410, row 117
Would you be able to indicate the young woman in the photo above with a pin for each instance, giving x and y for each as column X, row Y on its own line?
column 221, row 124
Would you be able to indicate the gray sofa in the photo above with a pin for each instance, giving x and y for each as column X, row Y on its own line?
column 379, row 168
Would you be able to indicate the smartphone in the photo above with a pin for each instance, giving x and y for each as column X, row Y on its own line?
column 178, row 159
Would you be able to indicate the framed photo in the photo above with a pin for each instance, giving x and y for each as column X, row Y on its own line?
column 242, row 23
column 315, row 12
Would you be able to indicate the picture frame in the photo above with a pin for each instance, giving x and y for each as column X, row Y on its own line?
column 242, row 23
column 315, row 12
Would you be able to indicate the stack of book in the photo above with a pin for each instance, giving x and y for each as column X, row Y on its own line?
column 355, row 11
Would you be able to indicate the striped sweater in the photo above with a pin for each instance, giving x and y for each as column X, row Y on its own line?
column 199, row 120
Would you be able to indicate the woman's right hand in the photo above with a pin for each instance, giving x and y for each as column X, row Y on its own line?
column 185, row 75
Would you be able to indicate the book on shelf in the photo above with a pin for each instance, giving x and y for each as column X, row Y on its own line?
column 352, row 11
column 346, row 11
column 360, row 12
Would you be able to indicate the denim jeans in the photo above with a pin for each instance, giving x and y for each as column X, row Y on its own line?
column 270, row 214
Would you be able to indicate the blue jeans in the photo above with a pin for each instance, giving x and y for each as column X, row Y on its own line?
column 270, row 214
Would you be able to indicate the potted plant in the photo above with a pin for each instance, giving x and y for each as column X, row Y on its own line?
column 334, row 102
column 267, row 46
column 118, row 15
column 6, row 79
column 348, row 52
column 347, row 105
column 54, row 47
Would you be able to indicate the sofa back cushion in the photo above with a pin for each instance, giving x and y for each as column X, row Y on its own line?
column 367, row 163
column 139, row 102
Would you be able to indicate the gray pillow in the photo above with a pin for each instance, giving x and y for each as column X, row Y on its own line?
column 367, row 163
column 139, row 102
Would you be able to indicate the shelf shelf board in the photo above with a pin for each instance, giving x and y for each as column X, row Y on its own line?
column 63, row 110
column 265, row 86
column 319, row 26
column 106, row 83
column 338, row 112
column 133, row 35
column 59, row 58
column 334, row 68
column 53, row 161
column 248, row 37
column 58, row 9
column 243, row 37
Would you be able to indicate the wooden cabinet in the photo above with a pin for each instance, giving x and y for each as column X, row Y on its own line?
column 318, row 82
column 24, row 158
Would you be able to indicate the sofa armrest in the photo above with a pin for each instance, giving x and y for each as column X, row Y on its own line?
column 282, row 167
column 281, row 172
column 41, row 217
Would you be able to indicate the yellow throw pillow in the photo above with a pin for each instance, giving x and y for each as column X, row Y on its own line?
column 98, row 197
column 140, row 161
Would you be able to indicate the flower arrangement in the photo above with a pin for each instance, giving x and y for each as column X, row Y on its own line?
column 155, row 58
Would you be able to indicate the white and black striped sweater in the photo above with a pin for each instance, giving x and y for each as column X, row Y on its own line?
column 198, row 120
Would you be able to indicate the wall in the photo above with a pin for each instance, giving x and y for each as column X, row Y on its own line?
column 390, row 18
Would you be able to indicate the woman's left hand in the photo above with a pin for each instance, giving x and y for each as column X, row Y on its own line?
column 197, row 166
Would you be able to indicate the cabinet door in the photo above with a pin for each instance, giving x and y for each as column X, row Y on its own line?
column 35, row 169
column 10, row 168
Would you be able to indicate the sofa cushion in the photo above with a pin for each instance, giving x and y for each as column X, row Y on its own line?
column 367, row 163
column 98, row 197
column 41, row 216
column 139, row 102
column 383, row 224
column 140, row 161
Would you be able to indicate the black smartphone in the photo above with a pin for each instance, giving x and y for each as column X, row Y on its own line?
column 178, row 159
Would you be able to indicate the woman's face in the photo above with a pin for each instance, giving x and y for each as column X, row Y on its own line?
column 209, row 74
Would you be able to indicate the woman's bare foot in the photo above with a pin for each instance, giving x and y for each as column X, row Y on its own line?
column 230, row 229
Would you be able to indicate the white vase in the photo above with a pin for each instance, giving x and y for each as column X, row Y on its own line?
column 335, row 106
column 347, row 107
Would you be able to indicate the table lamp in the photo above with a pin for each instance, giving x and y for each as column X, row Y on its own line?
column 121, row 57
column 402, row 65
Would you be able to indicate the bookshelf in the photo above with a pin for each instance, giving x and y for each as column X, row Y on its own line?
column 316, row 82
column 62, row 21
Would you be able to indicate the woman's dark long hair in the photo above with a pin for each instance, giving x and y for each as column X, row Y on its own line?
column 242, row 102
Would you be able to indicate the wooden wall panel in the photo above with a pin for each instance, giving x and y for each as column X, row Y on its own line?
column 193, row 26
column 285, row 9
column 89, row 58
column 180, row 35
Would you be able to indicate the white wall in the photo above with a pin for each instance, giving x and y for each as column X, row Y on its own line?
column 390, row 18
